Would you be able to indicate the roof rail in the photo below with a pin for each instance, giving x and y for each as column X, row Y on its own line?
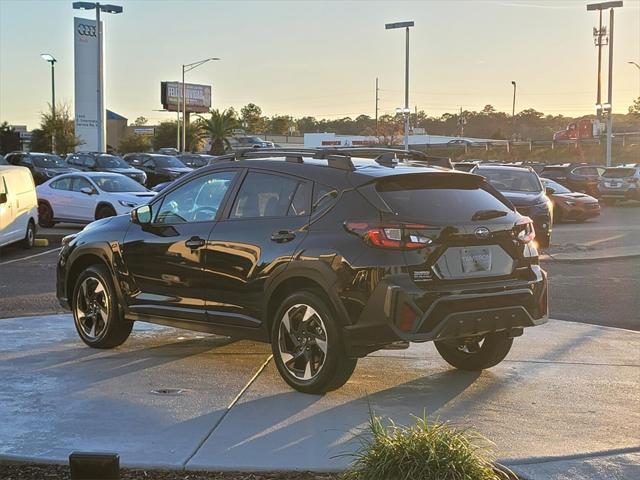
column 334, row 159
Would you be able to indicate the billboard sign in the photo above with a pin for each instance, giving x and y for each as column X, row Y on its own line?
column 85, row 47
column 198, row 96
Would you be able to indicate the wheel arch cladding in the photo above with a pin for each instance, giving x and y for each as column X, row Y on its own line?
column 102, row 205
column 78, row 266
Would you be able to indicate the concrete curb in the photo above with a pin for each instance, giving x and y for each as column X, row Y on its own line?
column 587, row 258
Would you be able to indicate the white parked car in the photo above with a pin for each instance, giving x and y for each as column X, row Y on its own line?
column 87, row 196
column 18, row 206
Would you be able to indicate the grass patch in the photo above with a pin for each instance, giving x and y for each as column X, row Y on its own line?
column 426, row 450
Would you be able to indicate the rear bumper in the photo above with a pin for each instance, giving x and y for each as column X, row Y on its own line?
column 397, row 311
column 630, row 193
column 581, row 212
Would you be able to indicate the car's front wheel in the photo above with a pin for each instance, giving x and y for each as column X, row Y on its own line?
column 97, row 316
column 475, row 353
column 307, row 344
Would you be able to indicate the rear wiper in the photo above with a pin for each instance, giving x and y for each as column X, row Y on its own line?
column 488, row 214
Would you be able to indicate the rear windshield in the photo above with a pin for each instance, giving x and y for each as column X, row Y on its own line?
column 511, row 180
column 619, row 173
column 440, row 200
column 168, row 162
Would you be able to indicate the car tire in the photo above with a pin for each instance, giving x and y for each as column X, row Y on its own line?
column 104, row 212
column 45, row 215
column 306, row 336
column 97, row 315
column 30, row 235
column 475, row 354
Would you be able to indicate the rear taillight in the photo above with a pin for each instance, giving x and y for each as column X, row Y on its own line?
column 402, row 236
column 524, row 230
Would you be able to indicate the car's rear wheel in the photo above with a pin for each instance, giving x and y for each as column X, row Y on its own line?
column 104, row 212
column 97, row 316
column 45, row 215
column 475, row 353
column 307, row 344
column 30, row 235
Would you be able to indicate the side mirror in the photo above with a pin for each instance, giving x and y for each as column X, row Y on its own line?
column 549, row 191
column 141, row 215
column 87, row 190
column 3, row 198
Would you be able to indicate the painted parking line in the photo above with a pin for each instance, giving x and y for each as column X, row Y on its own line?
column 30, row 256
column 602, row 240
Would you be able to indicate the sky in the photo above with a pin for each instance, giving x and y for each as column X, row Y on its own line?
column 321, row 58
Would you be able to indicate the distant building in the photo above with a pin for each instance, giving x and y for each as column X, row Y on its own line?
column 116, row 129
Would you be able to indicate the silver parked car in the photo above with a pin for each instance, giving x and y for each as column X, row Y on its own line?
column 620, row 183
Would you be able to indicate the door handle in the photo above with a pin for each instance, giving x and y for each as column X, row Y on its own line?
column 195, row 242
column 282, row 236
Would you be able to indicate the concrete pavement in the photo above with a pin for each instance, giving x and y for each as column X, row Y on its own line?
column 566, row 389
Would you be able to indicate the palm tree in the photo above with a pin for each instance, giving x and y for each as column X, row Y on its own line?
column 219, row 126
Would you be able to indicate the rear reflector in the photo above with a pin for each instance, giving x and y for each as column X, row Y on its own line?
column 406, row 318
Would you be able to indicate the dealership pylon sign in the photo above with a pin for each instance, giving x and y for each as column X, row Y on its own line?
column 85, row 44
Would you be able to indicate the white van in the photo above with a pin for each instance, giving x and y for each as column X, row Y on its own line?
column 18, row 206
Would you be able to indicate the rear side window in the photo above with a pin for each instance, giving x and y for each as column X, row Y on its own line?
column 264, row 195
column 323, row 198
column 438, row 200
column 619, row 173
column 62, row 184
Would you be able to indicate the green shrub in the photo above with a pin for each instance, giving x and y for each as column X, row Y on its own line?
column 425, row 451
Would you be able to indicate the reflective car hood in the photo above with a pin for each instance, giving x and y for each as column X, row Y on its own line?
column 521, row 199
column 583, row 197
column 176, row 170
column 123, row 170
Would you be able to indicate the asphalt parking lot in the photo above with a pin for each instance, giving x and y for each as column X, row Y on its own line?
column 579, row 292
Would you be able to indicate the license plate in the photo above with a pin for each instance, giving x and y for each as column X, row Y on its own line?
column 613, row 185
column 475, row 260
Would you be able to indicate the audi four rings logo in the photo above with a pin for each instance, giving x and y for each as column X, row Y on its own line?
column 482, row 232
column 87, row 30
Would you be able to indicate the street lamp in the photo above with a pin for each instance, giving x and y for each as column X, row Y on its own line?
column 98, row 7
column 606, row 6
column 513, row 108
column 47, row 57
column 187, row 68
column 406, row 110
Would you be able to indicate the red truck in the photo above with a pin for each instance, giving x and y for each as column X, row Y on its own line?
column 579, row 130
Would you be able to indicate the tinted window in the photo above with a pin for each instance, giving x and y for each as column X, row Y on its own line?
column 166, row 161
column 264, row 195
column 134, row 160
column 586, row 171
column 118, row 183
column 89, row 161
column 26, row 160
column 619, row 173
column 301, row 200
column 79, row 183
column 511, row 180
column 111, row 161
column 196, row 201
column 434, row 201
column 323, row 198
column 62, row 184
column 13, row 159
column 557, row 188
column 48, row 161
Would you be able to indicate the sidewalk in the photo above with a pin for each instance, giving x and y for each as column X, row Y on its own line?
column 566, row 389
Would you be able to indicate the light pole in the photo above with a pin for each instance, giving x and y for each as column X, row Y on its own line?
column 513, row 108
column 187, row 68
column 406, row 110
column 47, row 57
column 98, row 7
column 608, row 107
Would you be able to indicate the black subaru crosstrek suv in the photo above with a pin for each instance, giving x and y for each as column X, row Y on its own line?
column 325, row 255
column 523, row 188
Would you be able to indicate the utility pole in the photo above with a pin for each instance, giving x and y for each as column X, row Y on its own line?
column 377, row 100
column 49, row 58
column 607, row 108
column 600, row 39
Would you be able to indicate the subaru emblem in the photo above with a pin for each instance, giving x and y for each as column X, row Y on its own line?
column 482, row 232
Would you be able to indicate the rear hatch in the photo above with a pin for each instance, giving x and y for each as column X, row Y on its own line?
column 469, row 225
